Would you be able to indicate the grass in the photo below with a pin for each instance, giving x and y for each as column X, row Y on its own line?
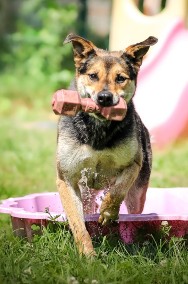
column 52, row 258
column 27, row 151
column 170, row 166
column 27, row 157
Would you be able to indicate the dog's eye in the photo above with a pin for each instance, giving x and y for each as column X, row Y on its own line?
column 120, row 79
column 93, row 77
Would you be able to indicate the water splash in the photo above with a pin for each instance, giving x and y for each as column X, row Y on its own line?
column 90, row 196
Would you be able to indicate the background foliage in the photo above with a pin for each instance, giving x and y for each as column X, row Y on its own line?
column 33, row 60
column 33, row 63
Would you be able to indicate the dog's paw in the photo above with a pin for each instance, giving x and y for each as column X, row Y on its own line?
column 108, row 215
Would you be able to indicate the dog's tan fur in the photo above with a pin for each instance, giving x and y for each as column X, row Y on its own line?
column 89, row 155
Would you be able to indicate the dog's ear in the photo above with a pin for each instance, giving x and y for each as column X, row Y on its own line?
column 82, row 48
column 138, row 50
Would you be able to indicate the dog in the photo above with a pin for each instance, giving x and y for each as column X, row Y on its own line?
column 94, row 153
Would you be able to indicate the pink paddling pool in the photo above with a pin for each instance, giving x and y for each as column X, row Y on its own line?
column 164, row 207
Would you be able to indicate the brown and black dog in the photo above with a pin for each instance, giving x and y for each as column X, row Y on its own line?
column 94, row 153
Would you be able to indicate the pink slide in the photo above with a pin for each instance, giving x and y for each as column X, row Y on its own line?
column 162, row 94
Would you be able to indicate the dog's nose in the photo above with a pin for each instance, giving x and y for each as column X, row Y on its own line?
column 105, row 98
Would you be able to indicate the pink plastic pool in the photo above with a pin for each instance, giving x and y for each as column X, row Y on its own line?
column 163, row 207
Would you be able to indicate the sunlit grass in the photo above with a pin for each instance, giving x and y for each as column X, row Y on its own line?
column 27, row 158
column 53, row 258
column 170, row 166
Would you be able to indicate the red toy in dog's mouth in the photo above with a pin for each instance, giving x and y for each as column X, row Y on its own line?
column 67, row 102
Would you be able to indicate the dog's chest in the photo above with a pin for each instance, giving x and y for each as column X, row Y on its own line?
column 100, row 167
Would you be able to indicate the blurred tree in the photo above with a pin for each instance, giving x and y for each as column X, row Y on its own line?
column 34, row 39
column 33, row 59
column 82, row 16
column 8, row 15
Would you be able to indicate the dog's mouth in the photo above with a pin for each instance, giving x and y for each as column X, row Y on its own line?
column 103, row 98
column 105, row 106
column 116, row 112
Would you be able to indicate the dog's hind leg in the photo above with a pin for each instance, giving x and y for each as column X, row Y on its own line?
column 136, row 195
column 135, row 199
column 72, row 204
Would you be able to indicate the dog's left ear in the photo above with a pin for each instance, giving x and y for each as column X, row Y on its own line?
column 82, row 48
column 138, row 50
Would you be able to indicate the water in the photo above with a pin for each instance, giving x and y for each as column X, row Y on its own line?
column 90, row 203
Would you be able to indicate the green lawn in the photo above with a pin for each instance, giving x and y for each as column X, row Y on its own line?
column 27, row 151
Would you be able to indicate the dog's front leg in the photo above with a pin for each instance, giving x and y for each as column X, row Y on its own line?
column 111, row 203
column 72, row 204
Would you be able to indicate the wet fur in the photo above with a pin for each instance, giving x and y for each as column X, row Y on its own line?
column 93, row 153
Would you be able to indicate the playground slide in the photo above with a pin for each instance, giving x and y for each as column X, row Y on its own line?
column 162, row 94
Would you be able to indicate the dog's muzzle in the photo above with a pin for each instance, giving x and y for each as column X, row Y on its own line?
column 67, row 102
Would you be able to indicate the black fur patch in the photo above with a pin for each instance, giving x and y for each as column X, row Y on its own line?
column 99, row 134
column 83, row 68
column 84, row 65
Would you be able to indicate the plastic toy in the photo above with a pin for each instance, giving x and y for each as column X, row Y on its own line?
column 68, row 102
column 162, row 91
column 162, row 94
column 138, row 26
column 170, row 210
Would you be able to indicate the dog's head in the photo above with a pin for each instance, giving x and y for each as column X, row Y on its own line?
column 106, row 76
